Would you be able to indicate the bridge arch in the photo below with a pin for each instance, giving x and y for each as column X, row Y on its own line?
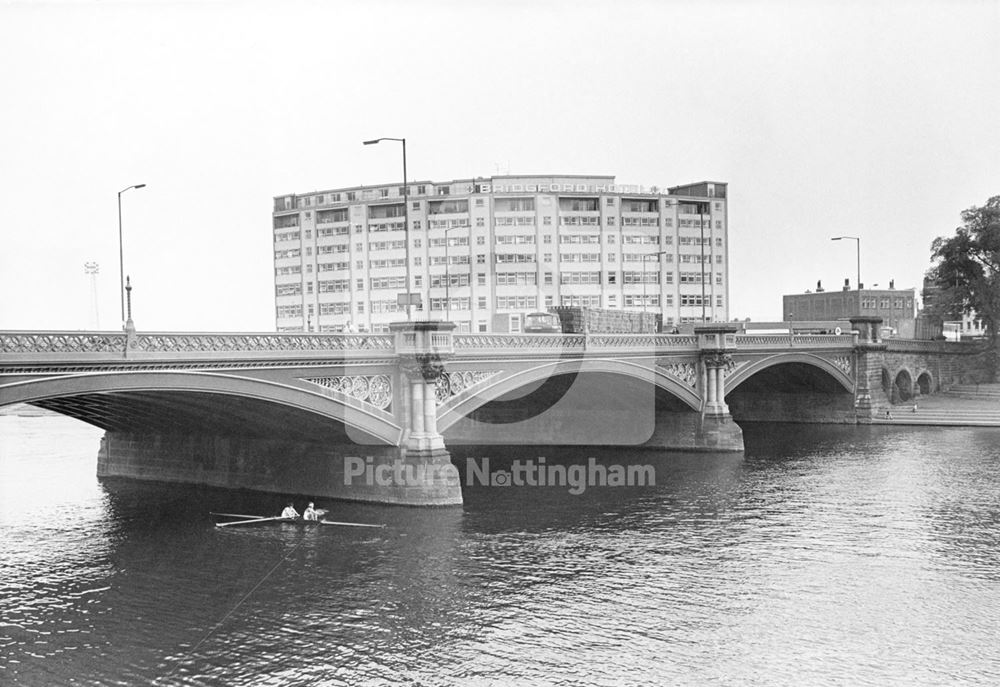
column 925, row 383
column 379, row 427
column 744, row 372
column 456, row 408
column 902, row 386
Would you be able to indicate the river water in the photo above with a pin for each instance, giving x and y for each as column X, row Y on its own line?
column 826, row 555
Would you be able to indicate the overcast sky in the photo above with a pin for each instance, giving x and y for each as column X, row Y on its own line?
column 872, row 119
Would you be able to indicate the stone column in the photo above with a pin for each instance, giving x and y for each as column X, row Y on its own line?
column 416, row 417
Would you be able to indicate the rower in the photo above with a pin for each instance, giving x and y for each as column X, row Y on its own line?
column 290, row 511
column 310, row 513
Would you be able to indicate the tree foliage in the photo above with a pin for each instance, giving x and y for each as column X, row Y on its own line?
column 966, row 269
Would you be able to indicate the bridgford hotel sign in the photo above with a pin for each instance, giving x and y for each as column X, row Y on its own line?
column 568, row 188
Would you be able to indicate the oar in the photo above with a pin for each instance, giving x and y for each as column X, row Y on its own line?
column 347, row 524
column 251, row 522
column 236, row 515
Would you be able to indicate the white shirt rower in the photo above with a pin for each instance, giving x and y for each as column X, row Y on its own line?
column 310, row 513
column 289, row 511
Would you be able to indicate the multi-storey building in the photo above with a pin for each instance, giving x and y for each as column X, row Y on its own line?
column 896, row 307
column 484, row 252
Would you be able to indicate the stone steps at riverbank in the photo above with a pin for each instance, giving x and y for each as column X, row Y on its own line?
column 975, row 391
column 954, row 409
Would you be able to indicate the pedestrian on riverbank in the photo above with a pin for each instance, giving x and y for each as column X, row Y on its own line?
column 914, row 406
column 888, row 414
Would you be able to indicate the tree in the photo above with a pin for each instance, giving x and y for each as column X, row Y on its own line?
column 966, row 269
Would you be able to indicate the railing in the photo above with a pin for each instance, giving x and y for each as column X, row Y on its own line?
column 922, row 346
column 45, row 345
column 795, row 340
column 151, row 344
column 164, row 342
column 61, row 342
column 519, row 343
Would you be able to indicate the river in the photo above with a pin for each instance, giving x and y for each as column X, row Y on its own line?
column 826, row 555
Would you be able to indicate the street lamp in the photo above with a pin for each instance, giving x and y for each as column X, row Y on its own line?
column 406, row 215
column 857, row 240
column 121, row 251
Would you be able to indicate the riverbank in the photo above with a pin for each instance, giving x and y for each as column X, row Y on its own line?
column 973, row 405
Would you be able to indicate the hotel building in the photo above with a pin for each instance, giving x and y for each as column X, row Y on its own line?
column 484, row 252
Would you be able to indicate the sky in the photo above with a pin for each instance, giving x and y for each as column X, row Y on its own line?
column 869, row 119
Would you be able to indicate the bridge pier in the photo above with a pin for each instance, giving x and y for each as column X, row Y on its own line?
column 869, row 358
column 422, row 348
column 718, row 430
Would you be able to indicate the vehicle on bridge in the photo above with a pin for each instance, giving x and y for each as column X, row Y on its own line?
column 542, row 323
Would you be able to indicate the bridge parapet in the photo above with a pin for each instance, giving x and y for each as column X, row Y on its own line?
column 547, row 344
column 82, row 346
column 921, row 346
column 776, row 341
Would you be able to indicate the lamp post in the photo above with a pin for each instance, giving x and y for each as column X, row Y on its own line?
column 406, row 216
column 121, row 250
column 857, row 240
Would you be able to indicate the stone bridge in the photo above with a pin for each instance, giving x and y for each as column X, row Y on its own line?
column 370, row 417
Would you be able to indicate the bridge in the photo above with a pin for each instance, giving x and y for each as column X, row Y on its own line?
column 371, row 416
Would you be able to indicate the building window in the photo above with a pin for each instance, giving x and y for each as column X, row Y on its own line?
column 481, row 302
column 517, row 302
column 481, row 279
column 479, row 202
column 480, row 222
column 517, row 278
column 417, row 262
column 581, row 301
column 416, row 225
column 416, row 243
column 546, row 221
column 611, row 221
column 383, row 193
column 480, row 240
column 361, row 308
column 547, row 257
column 481, row 259
column 610, row 201
column 421, row 190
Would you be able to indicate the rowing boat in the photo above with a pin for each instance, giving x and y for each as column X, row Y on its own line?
column 260, row 519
